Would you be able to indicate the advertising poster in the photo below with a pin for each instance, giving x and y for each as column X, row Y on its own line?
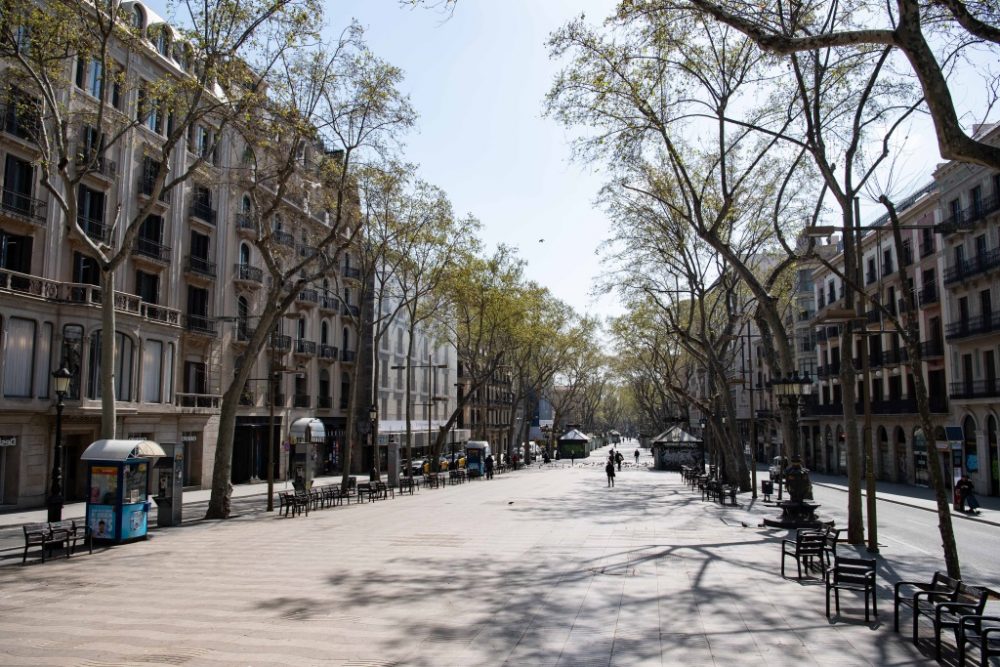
column 103, row 485
column 102, row 522
column 134, row 524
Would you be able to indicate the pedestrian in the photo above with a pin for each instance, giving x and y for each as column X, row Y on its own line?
column 619, row 459
column 610, row 470
column 572, row 458
column 489, row 466
column 967, row 495
column 637, row 457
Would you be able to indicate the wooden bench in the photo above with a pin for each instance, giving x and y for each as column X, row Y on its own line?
column 48, row 536
column 965, row 601
column 939, row 589
column 729, row 492
column 294, row 502
column 982, row 632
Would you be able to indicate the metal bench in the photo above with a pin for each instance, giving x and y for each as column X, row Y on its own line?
column 965, row 601
column 851, row 574
column 982, row 632
column 940, row 588
column 48, row 536
column 807, row 549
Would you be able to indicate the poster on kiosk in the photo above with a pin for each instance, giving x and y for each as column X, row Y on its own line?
column 118, row 482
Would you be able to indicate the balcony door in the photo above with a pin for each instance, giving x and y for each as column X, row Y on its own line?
column 967, row 374
column 990, row 367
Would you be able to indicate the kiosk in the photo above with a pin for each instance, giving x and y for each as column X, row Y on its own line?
column 118, row 480
column 307, row 436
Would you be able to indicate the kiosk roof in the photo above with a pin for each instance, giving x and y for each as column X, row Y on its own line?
column 121, row 450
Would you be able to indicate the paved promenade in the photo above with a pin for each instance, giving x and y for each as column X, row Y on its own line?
column 537, row 567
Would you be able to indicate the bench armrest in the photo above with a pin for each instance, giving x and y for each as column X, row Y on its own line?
column 919, row 585
column 975, row 621
column 953, row 607
column 930, row 595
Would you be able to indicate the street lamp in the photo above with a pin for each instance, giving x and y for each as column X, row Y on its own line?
column 373, row 419
column 61, row 380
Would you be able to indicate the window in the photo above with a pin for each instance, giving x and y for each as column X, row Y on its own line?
column 202, row 143
column 18, row 184
column 72, row 357
column 152, row 360
column 244, row 254
column 85, row 270
column 89, row 75
column 163, row 42
column 138, row 18
column 195, row 377
column 148, row 111
column 976, row 196
column 242, row 318
column 147, row 286
column 19, row 358
column 199, row 245
column 90, row 213
column 197, row 302
column 15, row 252
column 123, row 367
column 324, row 333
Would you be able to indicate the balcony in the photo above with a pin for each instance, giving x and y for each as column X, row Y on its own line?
column 146, row 183
column 305, row 347
column 200, row 266
column 283, row 238
column 202, row 325
column 927, row 248
column 244, row 333
column 976, row 389
column 202, row 210
column 328, row 303
column 968, row 218
column 18, row 119
column 306, row 250
column 348, row 356
column 895, row 357
column 324, row 402
column 248, row 274
column 932, row 349
column 974, row 266
column 23, row 206
column 348, row 309
column 244, row 224
column 24, row 284
column 928, row 295
column 328, row 352
column 151, row 249
column 280, row 400
column 202, row 401
column 94, row 228
column 308, row 297
column 280, row 342
column 301, row 401
column 351, row 272
column 973, row 326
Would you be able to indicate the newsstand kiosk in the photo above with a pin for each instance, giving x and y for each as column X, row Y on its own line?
column 118, row 479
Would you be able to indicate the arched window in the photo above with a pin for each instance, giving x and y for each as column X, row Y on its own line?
column 971, row 454
column 345, row 390
column 244, row 254
column 326, row 285
column 324, row 333
column 301, row 329
column 138, row 17
column 72, row 357
column 346, row 339
column 324, row 388
column 163, row 42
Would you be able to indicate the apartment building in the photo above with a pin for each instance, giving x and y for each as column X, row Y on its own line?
column 969, row 266
column 185, row 299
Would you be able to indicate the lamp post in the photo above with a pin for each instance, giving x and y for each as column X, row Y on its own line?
column 373, row 419
column 431, row 387
column 703, row 422
column 61, row 380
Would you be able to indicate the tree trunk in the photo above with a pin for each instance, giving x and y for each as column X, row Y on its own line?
column 109, row 417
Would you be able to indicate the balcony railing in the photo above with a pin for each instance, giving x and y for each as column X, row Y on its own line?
column 280, row 400
column 78, row 293
column 927, row 248
column 973, row 326
column 348, row 356
column 975, row 389
column 328, row 303
column 23, row 206
column 305, row 347
column 146, row 184
column 200, row 265
column 981, row 263
column 284, row 238
column 203, row 211
column 895, row 357
column 930, row 349
column 324, row 402
column 200, row 324
column 16, row 119
column 151, row 249
column 94, row 228
column 306, row 250
column 327, row 352
column 244, row 333
column 302, row 401
column 308, row 296
column 967, row 218
column 244, row 222
column 351, row 272
column 348, row 309
column 280, row 342
column 928, row 295
column 203, row 401
column 253, row 274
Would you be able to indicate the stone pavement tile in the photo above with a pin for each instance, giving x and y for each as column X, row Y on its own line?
column 691, row 650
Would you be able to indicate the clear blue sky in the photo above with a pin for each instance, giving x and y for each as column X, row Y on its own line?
column 477, row 78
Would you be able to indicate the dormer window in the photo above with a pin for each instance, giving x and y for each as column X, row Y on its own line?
column 138, row 17
column 163, row 42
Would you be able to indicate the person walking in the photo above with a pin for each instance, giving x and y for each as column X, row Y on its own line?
column 637, row 457
column 619, row 459
column 489, row 466
column 610, row 470
column 967, row 495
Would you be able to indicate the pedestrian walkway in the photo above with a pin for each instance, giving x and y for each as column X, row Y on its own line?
column 544, row 566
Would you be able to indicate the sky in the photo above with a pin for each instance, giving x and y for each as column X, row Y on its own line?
column 477, row 78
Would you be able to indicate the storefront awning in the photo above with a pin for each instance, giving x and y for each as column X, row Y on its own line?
column 307, row 429
column 121, row 450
